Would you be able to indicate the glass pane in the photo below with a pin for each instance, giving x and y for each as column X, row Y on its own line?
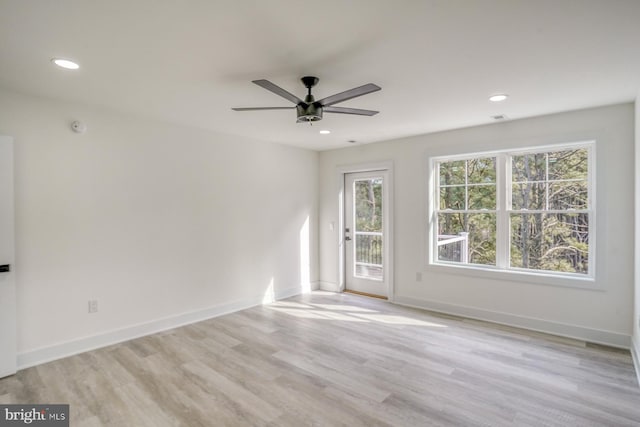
column 452, row 198
column 552, row 242
column 569, row 164
column 452, row 173
column 526, row 240
column 482, row 197
column 482, row 239
column 368, row 257
column 451, row 240
column 482, row 170
column 368, row 204
column 528, row 167
column 528, row 195
column 568, row 195
column 467, row 238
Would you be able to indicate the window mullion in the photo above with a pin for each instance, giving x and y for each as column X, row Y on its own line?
column 466, row 185
column 546, row 181
column 434, row 209
column 503, row 198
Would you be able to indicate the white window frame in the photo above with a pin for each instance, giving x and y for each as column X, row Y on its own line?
column 502, row 270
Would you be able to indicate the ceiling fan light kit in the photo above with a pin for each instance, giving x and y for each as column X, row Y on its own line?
column 310, row 110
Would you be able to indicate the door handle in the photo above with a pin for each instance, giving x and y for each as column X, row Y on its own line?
column 5, row 268
column 347, row 238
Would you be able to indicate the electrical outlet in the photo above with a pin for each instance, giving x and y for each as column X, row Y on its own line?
column 418, row 277
column 93, row 306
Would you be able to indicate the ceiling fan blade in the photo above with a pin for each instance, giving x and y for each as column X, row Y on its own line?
column 261, row 108
column 278, row 90
column 349, row 94
column 343, row 110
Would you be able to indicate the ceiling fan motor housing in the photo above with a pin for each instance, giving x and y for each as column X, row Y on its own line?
column 309, row 113
column 310, row 110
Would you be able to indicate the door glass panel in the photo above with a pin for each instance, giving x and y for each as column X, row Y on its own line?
column 368, row 235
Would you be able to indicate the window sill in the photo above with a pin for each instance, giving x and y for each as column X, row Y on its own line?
column 535, row 278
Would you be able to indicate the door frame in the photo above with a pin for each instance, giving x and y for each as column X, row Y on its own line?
column 8, row 310
column 342, row 170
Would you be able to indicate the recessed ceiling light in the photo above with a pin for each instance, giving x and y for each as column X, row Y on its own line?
column 352, row 141
column 65, row 63
column 498, row 97
column 325, row 132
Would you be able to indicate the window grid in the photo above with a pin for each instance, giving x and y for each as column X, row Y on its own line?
column 504, row 187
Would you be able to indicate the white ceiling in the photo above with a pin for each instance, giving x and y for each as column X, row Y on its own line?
column 437, row 61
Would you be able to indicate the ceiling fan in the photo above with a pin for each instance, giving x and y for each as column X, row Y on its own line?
column 311, row 110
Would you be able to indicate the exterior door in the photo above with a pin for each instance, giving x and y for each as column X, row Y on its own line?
column 366, row 222
column 7, row 285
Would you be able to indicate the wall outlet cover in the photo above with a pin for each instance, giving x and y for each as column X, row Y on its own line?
column 93, row 306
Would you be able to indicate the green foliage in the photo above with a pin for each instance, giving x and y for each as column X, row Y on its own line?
column 550, row 241
column 468, row 184
column 368, row 204
column 542, row 183
column 368, row 218
column 481, row 238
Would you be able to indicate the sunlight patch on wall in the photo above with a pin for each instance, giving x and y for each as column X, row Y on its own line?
column 305, row 258
column 269, row 294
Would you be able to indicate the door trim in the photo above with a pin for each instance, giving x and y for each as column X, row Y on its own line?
column 8, row 311
column 341, row 171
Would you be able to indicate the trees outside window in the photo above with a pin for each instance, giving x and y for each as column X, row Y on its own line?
column 528, row 210
column 468, row 205
column 549, row 211
column 368, row 221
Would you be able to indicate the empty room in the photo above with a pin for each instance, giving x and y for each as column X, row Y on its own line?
column 340, row 213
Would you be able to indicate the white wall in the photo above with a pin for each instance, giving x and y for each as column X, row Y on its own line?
column 602, row 316
column 151, row 219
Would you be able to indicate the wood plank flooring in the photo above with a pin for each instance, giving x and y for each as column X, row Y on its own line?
column 328, row 359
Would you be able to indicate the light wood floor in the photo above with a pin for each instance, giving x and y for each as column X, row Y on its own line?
column 339, row 359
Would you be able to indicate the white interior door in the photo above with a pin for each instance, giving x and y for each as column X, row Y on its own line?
column 366, row 227
column 7, row 283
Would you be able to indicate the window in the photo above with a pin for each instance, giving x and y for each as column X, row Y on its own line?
column 468, row 211
column 527, row 210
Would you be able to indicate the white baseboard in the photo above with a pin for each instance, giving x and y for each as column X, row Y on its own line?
column 329, row 286
column 635, row 355
column 597, row 336
column 81, row 345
